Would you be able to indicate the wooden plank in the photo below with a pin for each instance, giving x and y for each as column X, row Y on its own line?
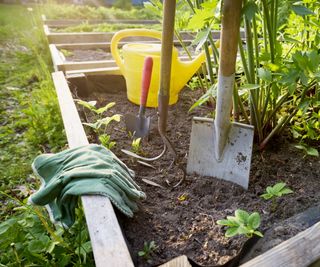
column 94, row 64
column 61, row 23
column 85, row 46
column 109, row 246
column 100, row 37
column 78, row 37
column 99, row 71
column 298, row 251
column 56, row 57
column 181, row 261
column 106, row 45
column 46, row 30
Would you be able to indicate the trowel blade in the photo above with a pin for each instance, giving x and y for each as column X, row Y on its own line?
column 236, row 160
column 138, row 126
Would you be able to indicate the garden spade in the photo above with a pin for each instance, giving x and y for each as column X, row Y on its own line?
column 221, row 148
column 139, row 125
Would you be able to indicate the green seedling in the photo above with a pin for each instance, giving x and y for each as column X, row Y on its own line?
column 242, row 223
column 308, row 150
column 66, row 53
column 148, row 249
column 273, row 192
column 105, row 140
column 136, row 145
column 100, row 126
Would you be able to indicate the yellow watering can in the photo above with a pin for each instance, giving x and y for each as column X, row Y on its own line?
column 131, row 64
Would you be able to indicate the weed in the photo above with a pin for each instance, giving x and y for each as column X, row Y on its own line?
column 274, row 192
column 100, row 126
column 148, row 249
column 278, row 190
column 242, row 223
column 136, row 145
column 28, row 238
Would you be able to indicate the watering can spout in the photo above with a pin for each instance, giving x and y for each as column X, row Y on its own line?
column 189, row 68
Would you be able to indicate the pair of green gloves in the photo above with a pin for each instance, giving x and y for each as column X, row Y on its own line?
column 86, row 170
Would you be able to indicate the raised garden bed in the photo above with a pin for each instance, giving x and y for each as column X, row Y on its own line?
column 182, row 220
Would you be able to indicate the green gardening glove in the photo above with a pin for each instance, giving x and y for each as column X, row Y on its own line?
column 86, row 170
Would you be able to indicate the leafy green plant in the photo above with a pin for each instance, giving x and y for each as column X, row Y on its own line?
column 278, row 190
column 310, row 151
column 105, row 27
column 274, row 192
column 148, row 249
column 67, row 11
column 100, row 126
column 136, row 145
column 242, row 223
column 282, row 77
column 28, row 238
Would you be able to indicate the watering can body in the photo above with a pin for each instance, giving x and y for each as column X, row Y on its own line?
column 131, row 64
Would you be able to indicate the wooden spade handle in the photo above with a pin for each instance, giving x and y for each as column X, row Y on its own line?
column 146, row 79
column 229, row 36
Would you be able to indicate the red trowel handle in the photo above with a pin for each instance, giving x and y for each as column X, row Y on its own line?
column 146, row 79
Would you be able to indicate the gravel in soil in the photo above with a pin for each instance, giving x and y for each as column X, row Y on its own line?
column 182, row 220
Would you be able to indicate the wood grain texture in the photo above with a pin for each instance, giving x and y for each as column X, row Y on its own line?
column 56, row 57
column 94, row 64
column 93, row 72
column 181, row 261
column 109, row 246
column 298, row 251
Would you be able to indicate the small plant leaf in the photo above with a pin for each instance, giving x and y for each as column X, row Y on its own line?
column 226, row 223
column 270, row 190
column 87, row 104
column 232, row 231
column 286, row 191
column 105, row 108
column 302, row 10
column 249, row 86
column 242, row 215
column 254, row 220
column 258, row 233
column 92, row 125
column 250, row 9
column 265, row 74
column 312, row 152
column 266, row 196
column 278, row 187
column 141, row 253
column 233, row 220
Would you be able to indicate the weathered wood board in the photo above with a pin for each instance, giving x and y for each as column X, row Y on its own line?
column 181, row 261
column 109, row 246
column 298, row 251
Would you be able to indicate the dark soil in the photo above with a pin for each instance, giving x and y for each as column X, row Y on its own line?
column 182, row 220
column 79, row 55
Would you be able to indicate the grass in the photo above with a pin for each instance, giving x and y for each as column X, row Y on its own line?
column 27, row 103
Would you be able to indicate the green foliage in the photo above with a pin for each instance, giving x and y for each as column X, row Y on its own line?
column 136, row 145
column 101, row 123
column 29, row 115
column 279, row 62
column 28, row 239
column 275, row 191
column 148, row 249
column 123, row 4
column 105, row 27
column 242, row 223
column 310, row 151
column 65, row 11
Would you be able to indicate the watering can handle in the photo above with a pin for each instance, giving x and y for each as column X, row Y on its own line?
column 129, row 33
